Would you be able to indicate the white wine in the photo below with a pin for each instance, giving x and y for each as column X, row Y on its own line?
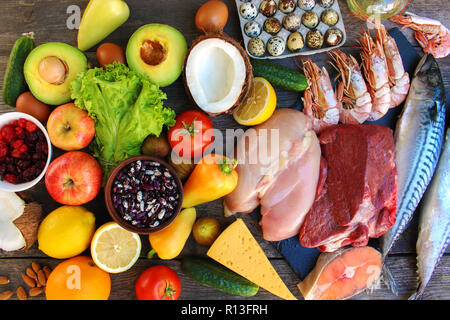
column 377, row 9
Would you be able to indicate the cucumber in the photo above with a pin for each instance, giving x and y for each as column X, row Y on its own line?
column 280, row 76
column 14, row 81
column 214, row 275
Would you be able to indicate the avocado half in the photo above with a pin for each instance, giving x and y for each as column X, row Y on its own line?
column 50, row 68
column 158, row 51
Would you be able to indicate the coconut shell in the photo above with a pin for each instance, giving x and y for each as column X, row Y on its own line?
column 249, row 71
column 28, row 223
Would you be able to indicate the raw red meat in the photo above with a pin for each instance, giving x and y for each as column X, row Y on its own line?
column 358, row 196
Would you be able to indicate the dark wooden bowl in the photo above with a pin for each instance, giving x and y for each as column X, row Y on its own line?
column 118, row 218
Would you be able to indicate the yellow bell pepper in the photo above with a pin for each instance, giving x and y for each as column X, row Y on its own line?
column 213, row 177
column 101, row 18
column 169, row 242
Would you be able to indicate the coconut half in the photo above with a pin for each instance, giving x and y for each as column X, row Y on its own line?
column 19, row 222
column 217, row 73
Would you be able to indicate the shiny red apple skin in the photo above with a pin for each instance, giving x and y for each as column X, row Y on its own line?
column 74, row 178
column 70, row 128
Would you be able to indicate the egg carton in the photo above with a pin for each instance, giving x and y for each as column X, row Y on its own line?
column 284, row 34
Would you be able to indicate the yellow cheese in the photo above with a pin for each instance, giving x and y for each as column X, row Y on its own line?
column 237, row 249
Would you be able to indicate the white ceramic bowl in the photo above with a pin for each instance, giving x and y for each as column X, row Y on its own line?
column 6, row 118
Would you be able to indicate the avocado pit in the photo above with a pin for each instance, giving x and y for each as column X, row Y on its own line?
column 153, row 53
column 53, row 70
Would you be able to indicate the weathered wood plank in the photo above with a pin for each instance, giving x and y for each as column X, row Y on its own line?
column 403, row 269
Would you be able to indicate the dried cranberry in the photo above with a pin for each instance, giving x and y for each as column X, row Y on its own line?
column 22, row 122
column 17, row 143
column 11, row 178
column 3, row 149
column 30, row 126
column 16, row 153
column 19, row 131
column 8, row 133
column 23, row 148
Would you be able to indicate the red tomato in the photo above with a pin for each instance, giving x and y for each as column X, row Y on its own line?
column 158, row 283
column 192, row 134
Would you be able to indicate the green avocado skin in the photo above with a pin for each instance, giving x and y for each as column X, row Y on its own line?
column 14, row 83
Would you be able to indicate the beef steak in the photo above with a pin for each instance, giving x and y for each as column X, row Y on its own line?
column 357, row 199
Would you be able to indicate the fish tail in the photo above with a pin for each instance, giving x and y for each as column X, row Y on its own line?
column 388, row 279
column 418, row 294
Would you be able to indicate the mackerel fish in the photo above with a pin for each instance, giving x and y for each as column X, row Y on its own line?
column 419, row 136
column 434, row 222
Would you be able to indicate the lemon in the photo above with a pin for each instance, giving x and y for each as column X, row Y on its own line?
column 66, row 232
column 115, row 249
column 259, row 106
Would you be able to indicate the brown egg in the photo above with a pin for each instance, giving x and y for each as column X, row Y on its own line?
column 108, row 53
column 212, row 16
column 28, row 104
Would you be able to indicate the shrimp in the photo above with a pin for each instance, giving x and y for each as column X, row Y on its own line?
column 398, row 78
column 431, row 34
column 356, row 100
column 320, row 102
column 377, row 76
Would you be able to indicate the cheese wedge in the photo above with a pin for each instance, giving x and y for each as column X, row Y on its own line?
column 237, row 249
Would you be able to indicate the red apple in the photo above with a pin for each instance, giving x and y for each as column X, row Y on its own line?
column 70, row 128
column 74, row 178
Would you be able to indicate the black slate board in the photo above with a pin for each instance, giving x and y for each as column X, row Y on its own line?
column 302, row 260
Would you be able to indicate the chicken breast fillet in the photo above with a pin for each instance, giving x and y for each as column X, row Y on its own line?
column 279, row 162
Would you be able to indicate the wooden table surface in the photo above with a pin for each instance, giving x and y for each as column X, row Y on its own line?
column 47, row 19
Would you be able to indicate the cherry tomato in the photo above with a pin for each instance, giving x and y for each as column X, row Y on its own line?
column 192, row 134
column 158, row 283
column 107, row 53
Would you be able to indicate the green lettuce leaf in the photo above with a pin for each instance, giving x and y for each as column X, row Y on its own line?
column 126, row 107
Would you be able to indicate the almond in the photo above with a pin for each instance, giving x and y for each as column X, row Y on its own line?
column 41, row 277
column 47, row 271
column 21, row 293
column 35, row 266
column 29, row 281
column 30, row 272
column 35, row 291
column 5, row 295
column 4, row 280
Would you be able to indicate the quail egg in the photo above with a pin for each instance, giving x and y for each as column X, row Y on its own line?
column 291, row 22
column 333, row 36
column 286, row 6
column 310, row 19
column 314, row 39
column 306, row 5
column 252, row 29
column 248, row 11
column 330, row 17
column 268, row 7
column 256, row 47
column 295, row 41
column 325, row 3
column 276, row 46
column 272, row 26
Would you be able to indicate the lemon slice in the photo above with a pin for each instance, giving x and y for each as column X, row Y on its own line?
column 115, row 249
column 259, row 106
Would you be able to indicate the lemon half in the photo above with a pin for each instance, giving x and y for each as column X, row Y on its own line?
column 115, row 249
column 259, row 106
